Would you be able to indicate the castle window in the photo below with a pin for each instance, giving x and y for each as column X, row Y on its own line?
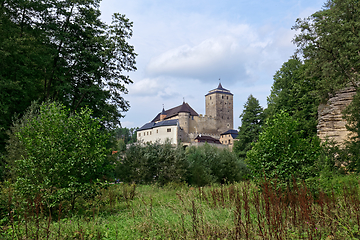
column 157, row 131
column 210, row 97
column 144, row 134
column 147, row 133
column 150, row 133
column 222, row 97
column 168, row 130
column 139, row 134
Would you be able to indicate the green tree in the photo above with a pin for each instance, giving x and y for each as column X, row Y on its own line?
column 252, row 119
column 128, row 135
column 209, row 164
column 64, row 154
column 62, row 51
column 330, row 38
column 282, row 153
column 153, row 162
column 295, row 93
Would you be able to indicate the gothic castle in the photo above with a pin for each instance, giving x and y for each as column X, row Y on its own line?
column 184, row 124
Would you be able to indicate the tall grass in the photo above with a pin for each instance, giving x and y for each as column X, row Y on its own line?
column 177, row 211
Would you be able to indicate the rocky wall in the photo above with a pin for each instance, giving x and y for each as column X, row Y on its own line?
column 331, row 124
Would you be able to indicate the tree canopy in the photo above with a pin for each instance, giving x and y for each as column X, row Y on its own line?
column 295, row 93
column 281, row 152
column 330, row 39
column 62, row 51
column 252, row 119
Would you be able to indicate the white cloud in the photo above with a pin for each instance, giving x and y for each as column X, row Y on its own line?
column 145, row 87
column 236, row 55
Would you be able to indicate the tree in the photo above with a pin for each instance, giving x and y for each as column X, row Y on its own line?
column 295, row 93
column 252, row 119
column 64, row 154
column 330, row 38
column 282, row 153
column 62, row 51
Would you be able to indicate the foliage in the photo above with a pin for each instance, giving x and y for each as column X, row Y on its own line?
column 350, row 154
column 330, row 39
column 164, row 163
column 152, row 162
column 252, row 119
column 282, row 153
column 234, row 211
column 208, row 164
column 61, row 50
column 124, row 136
column 295, row 93
column 62, row 155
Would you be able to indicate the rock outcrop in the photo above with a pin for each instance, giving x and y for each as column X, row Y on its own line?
column 331, row 123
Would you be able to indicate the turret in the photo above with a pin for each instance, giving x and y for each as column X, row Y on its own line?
column 184, row 117
column 162, row 115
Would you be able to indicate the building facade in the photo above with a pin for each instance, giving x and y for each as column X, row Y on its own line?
column 188, row 124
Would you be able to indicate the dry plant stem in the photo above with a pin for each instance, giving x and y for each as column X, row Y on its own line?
column 195, row 220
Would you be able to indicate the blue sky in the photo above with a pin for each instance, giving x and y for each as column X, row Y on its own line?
column 184, row 47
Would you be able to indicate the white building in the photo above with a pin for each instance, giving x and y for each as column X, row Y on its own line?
column 159, row 131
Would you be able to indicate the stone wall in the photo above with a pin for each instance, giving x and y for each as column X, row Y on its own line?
column 331, row 124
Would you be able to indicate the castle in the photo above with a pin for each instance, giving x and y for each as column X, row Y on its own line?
column 184, row 124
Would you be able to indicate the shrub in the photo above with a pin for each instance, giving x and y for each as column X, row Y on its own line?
column 62, row 154
column 208, row 164
column 153, row 162
column 281, row 153
column 164, row 163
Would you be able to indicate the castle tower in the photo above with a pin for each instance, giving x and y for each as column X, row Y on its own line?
column 219, row 105
column 184, row 117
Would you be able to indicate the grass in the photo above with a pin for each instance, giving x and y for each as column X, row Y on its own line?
column 176, row 211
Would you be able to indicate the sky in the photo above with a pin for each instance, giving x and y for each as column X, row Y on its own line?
column 184, row 47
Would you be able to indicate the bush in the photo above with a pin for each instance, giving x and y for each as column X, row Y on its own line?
column 208, row 164
column 281, row 153
column 153, row 162
column 62, row 154
column 164, row 163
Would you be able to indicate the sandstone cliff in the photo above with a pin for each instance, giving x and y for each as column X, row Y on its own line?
column 331, row 124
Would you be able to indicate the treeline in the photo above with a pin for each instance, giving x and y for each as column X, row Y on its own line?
column 281, row 142
column 163, row 163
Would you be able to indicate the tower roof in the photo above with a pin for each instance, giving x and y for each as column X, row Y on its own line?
column 172, row 112
column 219, row 89
column 163, row 112
column 184, row 108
